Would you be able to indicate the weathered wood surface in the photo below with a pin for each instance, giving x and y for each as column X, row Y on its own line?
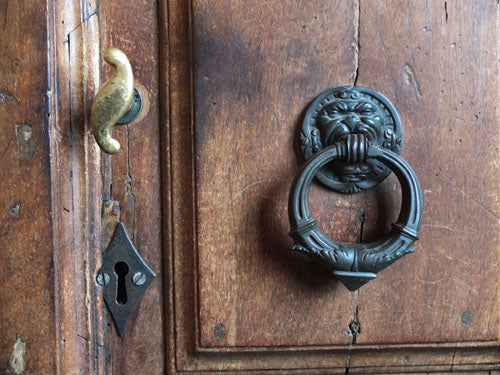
column 245, row 130
column 254, row 71
column 276, row 58
column 92, row 192
column 440, row 69
column 234, row 80
column 27, row 330
column 134, row 181
column 75, row 161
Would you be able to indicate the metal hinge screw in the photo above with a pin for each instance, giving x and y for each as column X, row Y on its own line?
column 102, row 278
column 139, row 278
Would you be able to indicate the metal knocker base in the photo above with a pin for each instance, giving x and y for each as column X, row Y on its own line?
column 351, row 110
column 349, row 115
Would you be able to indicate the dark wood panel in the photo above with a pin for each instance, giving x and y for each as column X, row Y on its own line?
column 439, row 66
column 27, row 338
column 256, row 69
column 91, row 193
column 75, row 162
column 132, row 178
column 234, row 56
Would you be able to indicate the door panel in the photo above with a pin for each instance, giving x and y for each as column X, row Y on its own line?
column 133, row 182
column 441, row 72
column 202, row 182
column 253, row 72
column 27, row 307
column 251, row 291
column 92, row 191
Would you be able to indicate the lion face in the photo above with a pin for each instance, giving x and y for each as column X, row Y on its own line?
column 346, row 110
column 343, row 117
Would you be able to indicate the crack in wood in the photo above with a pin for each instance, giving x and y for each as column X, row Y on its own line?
column 355, row 44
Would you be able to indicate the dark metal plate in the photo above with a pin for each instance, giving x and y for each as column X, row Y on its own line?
column 347, row 110
column 124, row 277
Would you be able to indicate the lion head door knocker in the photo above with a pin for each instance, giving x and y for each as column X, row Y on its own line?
column 351, row 138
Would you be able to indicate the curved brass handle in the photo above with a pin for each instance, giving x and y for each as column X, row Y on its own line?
column 113, row 100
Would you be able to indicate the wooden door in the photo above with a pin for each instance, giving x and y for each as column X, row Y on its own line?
column 202, row 183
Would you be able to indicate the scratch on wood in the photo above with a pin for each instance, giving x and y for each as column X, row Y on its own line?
column 466, row 286
column 87, row 11
column 85, row 19
column 128, row 205
column 110, row 218
column 410, row 78
column 240, row 192
column 431, row 282
column 450, row 181
column 450, row 229
column 17, row 359
column 25, row 145
column 271, row 10
column 7, row 97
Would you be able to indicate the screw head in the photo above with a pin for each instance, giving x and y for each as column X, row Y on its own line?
column 102, row 278
column 139, row 278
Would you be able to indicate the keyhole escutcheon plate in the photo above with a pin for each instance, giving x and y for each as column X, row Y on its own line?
column 124, row 277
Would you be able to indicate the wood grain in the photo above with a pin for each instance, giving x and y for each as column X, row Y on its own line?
column 132, row 178
column 83, row 189
column 222, row 110
column 441, row 72
column 27, row 269
column 225, row 86
column 75, row 185
column 253, row 291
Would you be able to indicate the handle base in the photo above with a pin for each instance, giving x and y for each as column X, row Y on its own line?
column 134, row 111
column 345, row 110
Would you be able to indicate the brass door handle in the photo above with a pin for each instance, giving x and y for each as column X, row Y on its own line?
column 116, row 102
column 361, row 134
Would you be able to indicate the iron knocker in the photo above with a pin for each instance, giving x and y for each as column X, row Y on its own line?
column 354, row 264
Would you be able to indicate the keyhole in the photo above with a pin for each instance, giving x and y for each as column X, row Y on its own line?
column 121, row 269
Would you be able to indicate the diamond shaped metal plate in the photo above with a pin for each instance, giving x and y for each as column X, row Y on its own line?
column 124, row 276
